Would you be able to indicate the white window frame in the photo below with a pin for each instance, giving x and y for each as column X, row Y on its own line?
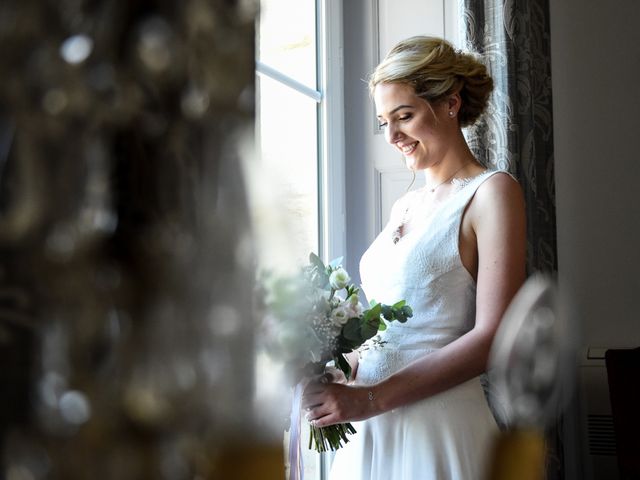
column 329, row 97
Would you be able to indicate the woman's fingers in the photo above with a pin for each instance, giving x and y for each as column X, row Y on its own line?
column 318, row 414
column 332, row 404
column 311, row 400
column 325, row 420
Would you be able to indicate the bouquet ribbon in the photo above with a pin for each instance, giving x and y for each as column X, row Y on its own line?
column 295, row 452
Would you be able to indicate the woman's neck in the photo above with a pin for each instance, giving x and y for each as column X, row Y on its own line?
column 458, row 162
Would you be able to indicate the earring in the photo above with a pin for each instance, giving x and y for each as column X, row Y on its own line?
column 451, row 114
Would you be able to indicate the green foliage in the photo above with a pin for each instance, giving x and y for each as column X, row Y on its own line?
column 330, row 438
column 358, row 330
column 311, row 310
column 342, row 363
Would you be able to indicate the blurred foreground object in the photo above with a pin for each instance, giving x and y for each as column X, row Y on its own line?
column 126, row 264
column 529, row 368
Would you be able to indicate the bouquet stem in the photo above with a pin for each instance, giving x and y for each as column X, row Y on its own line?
column 329, row 438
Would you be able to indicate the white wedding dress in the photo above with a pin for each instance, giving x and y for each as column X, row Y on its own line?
column 447, row 436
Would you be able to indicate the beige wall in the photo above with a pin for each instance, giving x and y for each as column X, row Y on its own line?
column 596, row 100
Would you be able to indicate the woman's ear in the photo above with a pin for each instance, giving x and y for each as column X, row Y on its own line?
column 454, row 103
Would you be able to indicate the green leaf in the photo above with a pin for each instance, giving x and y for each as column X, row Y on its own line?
column 373, row 312
column 343, row 365
column 316, row 262
column 382, row 327
column 374, row 322
column 370, row 328
column 351, row 330
column 399, row 304
column 336, row 262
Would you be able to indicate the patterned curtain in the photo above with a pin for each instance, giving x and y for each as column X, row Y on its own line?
column 516, row 133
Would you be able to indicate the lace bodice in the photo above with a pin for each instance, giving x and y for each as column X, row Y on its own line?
column 424, row 268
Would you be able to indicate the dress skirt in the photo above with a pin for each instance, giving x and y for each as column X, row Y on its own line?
column 448, row 436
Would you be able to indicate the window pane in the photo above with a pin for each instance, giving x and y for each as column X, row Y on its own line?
column 287, row 127
column 287, row 38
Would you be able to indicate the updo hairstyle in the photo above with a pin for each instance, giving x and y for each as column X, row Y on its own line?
column 436, row 70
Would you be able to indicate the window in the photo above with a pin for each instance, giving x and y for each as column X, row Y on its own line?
column 299, row 127
column 299, row 119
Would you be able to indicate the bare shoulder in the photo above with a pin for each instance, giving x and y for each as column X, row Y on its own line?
column 500, row 190
column 499, row 199
column 500, row 183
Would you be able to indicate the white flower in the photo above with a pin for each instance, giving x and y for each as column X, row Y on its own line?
column 339, row 278
column 353, row 305
column 340, row 315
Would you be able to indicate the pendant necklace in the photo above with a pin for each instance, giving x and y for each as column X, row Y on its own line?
column 397, row 233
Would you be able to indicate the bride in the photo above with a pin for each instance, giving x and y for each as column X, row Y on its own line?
column 455, row 251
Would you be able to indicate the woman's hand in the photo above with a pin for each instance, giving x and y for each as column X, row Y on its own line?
column 334, row 375
column 331, row 403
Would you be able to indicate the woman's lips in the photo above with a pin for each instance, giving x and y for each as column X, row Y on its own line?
column 408, row 149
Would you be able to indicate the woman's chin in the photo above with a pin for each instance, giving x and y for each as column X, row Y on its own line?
column 411, row 164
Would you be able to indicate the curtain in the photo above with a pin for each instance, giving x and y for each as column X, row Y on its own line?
column 516, row 133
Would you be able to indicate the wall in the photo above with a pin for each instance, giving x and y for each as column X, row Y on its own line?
column 595, row 67
column 359, row 176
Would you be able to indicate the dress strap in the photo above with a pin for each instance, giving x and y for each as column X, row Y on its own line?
column 469, row 186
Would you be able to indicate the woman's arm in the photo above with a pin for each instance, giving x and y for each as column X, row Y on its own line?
column 497, row 217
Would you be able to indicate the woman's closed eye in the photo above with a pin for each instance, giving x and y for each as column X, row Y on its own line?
column 402, row 118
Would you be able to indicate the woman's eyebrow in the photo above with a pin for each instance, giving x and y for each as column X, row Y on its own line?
column 399, row 107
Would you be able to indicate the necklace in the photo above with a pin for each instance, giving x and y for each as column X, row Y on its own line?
column 397, row 233
column 432, row 190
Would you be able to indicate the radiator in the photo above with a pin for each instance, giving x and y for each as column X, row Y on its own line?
column 597, row 438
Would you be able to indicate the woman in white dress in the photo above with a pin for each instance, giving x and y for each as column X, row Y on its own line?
column 455, row 250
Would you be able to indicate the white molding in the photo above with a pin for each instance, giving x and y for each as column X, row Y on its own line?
column 331, row 122
column 391, row 184
column 452, row 20
column 375, row 29
column 377, row 196
column 377, row 56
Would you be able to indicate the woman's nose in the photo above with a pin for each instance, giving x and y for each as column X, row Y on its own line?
column 393, row 133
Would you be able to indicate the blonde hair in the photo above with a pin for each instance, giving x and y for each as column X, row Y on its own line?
column 436, row 70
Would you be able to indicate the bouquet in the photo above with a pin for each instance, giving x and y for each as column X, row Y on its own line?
column 317, row 318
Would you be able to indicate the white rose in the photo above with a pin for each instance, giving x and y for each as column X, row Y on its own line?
column 340, row 315
column 339, row 278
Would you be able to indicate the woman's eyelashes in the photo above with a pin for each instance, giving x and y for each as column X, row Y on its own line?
column 403, row 118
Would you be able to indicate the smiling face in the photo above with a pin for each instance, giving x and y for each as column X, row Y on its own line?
column 421, row 132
